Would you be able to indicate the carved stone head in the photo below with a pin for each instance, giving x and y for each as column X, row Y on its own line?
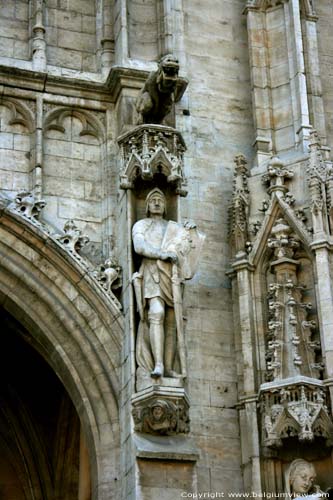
column 155, row 197
column 168, row 68
column 301, row 477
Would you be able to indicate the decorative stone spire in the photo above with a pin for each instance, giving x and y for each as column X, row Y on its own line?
column 240, row 206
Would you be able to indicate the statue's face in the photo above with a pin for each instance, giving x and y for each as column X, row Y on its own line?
column 303, row 479
column 156, row 205
column 158, row 412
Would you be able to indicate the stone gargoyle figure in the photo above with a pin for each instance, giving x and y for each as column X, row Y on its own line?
column 300, row 480
column 170, row 253
column 158, row 94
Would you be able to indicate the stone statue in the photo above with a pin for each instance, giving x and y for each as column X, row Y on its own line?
column 169, row 254
column 158, row 94
column 300, row 480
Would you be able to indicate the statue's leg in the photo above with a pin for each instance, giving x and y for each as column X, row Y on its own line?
column 156, row 334
column 170, row 344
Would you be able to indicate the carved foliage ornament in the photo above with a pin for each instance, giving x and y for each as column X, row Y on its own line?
column 28, row 205
column 109, row 276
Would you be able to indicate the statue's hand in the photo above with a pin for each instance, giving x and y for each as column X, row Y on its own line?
column 171, row 256
column 189, row 224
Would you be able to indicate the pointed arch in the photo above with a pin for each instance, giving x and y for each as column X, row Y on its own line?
column 20, row 113
column 75, row 329
column 91, row 125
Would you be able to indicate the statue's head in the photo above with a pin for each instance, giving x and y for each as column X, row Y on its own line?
column 155, row 203
column 168, row 69
column 301, row 477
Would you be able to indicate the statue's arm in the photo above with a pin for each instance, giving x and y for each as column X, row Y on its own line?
column 145, row 249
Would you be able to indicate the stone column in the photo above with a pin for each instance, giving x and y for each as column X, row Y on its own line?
column 38, row 42
column 248, row 400
column 325, row 305
column 261, row 97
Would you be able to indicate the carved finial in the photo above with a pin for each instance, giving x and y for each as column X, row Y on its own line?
column 28, row 205
column 284, row 245
column 73, row 239
column 276, row 176
column 240, row 206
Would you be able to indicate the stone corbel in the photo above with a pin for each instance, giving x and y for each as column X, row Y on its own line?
column 161, row 411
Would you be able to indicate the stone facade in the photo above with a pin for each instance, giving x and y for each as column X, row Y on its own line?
column 234, row 132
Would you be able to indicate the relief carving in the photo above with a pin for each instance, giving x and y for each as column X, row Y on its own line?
column 161, row 416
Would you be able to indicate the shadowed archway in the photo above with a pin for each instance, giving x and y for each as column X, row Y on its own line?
column 74, row 327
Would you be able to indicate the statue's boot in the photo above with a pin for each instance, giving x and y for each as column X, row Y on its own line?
column 156, row 334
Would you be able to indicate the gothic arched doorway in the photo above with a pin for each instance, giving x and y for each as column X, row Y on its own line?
column 75, row 335
column 39, row 426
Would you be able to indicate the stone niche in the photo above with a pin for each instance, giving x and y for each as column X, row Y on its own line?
column 164, row 254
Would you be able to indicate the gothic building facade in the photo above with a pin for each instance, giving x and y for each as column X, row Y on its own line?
column 166, row 238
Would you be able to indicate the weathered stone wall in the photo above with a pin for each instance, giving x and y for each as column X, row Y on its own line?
column 14, row 29
column 219, row 126
column 58, row 136
column 324, row 9
column 71, row 34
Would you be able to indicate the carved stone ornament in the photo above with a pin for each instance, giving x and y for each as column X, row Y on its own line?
column 28, row 205
column 291, row 348
column 295, row 409
column 240, row 206
column 276, row 176
column 306, row 5
column 158, row 94
column 73, row 240
column 157, row 412
column 109, row 276
column 300, row 480
column 152, row 149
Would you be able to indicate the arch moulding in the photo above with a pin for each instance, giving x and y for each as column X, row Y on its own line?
column 74, row 326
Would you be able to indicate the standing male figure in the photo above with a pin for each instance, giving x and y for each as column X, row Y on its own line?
column 156, row 342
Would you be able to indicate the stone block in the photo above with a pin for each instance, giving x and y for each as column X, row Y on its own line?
column 76, row 40
column 65, row 19
column 65, row 57
column 6, row 140
column 80, row 210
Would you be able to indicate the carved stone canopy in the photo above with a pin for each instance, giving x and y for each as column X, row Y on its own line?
column 295, row 408
column 151, row 149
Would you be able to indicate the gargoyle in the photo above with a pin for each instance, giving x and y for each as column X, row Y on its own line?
column 158, row 94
